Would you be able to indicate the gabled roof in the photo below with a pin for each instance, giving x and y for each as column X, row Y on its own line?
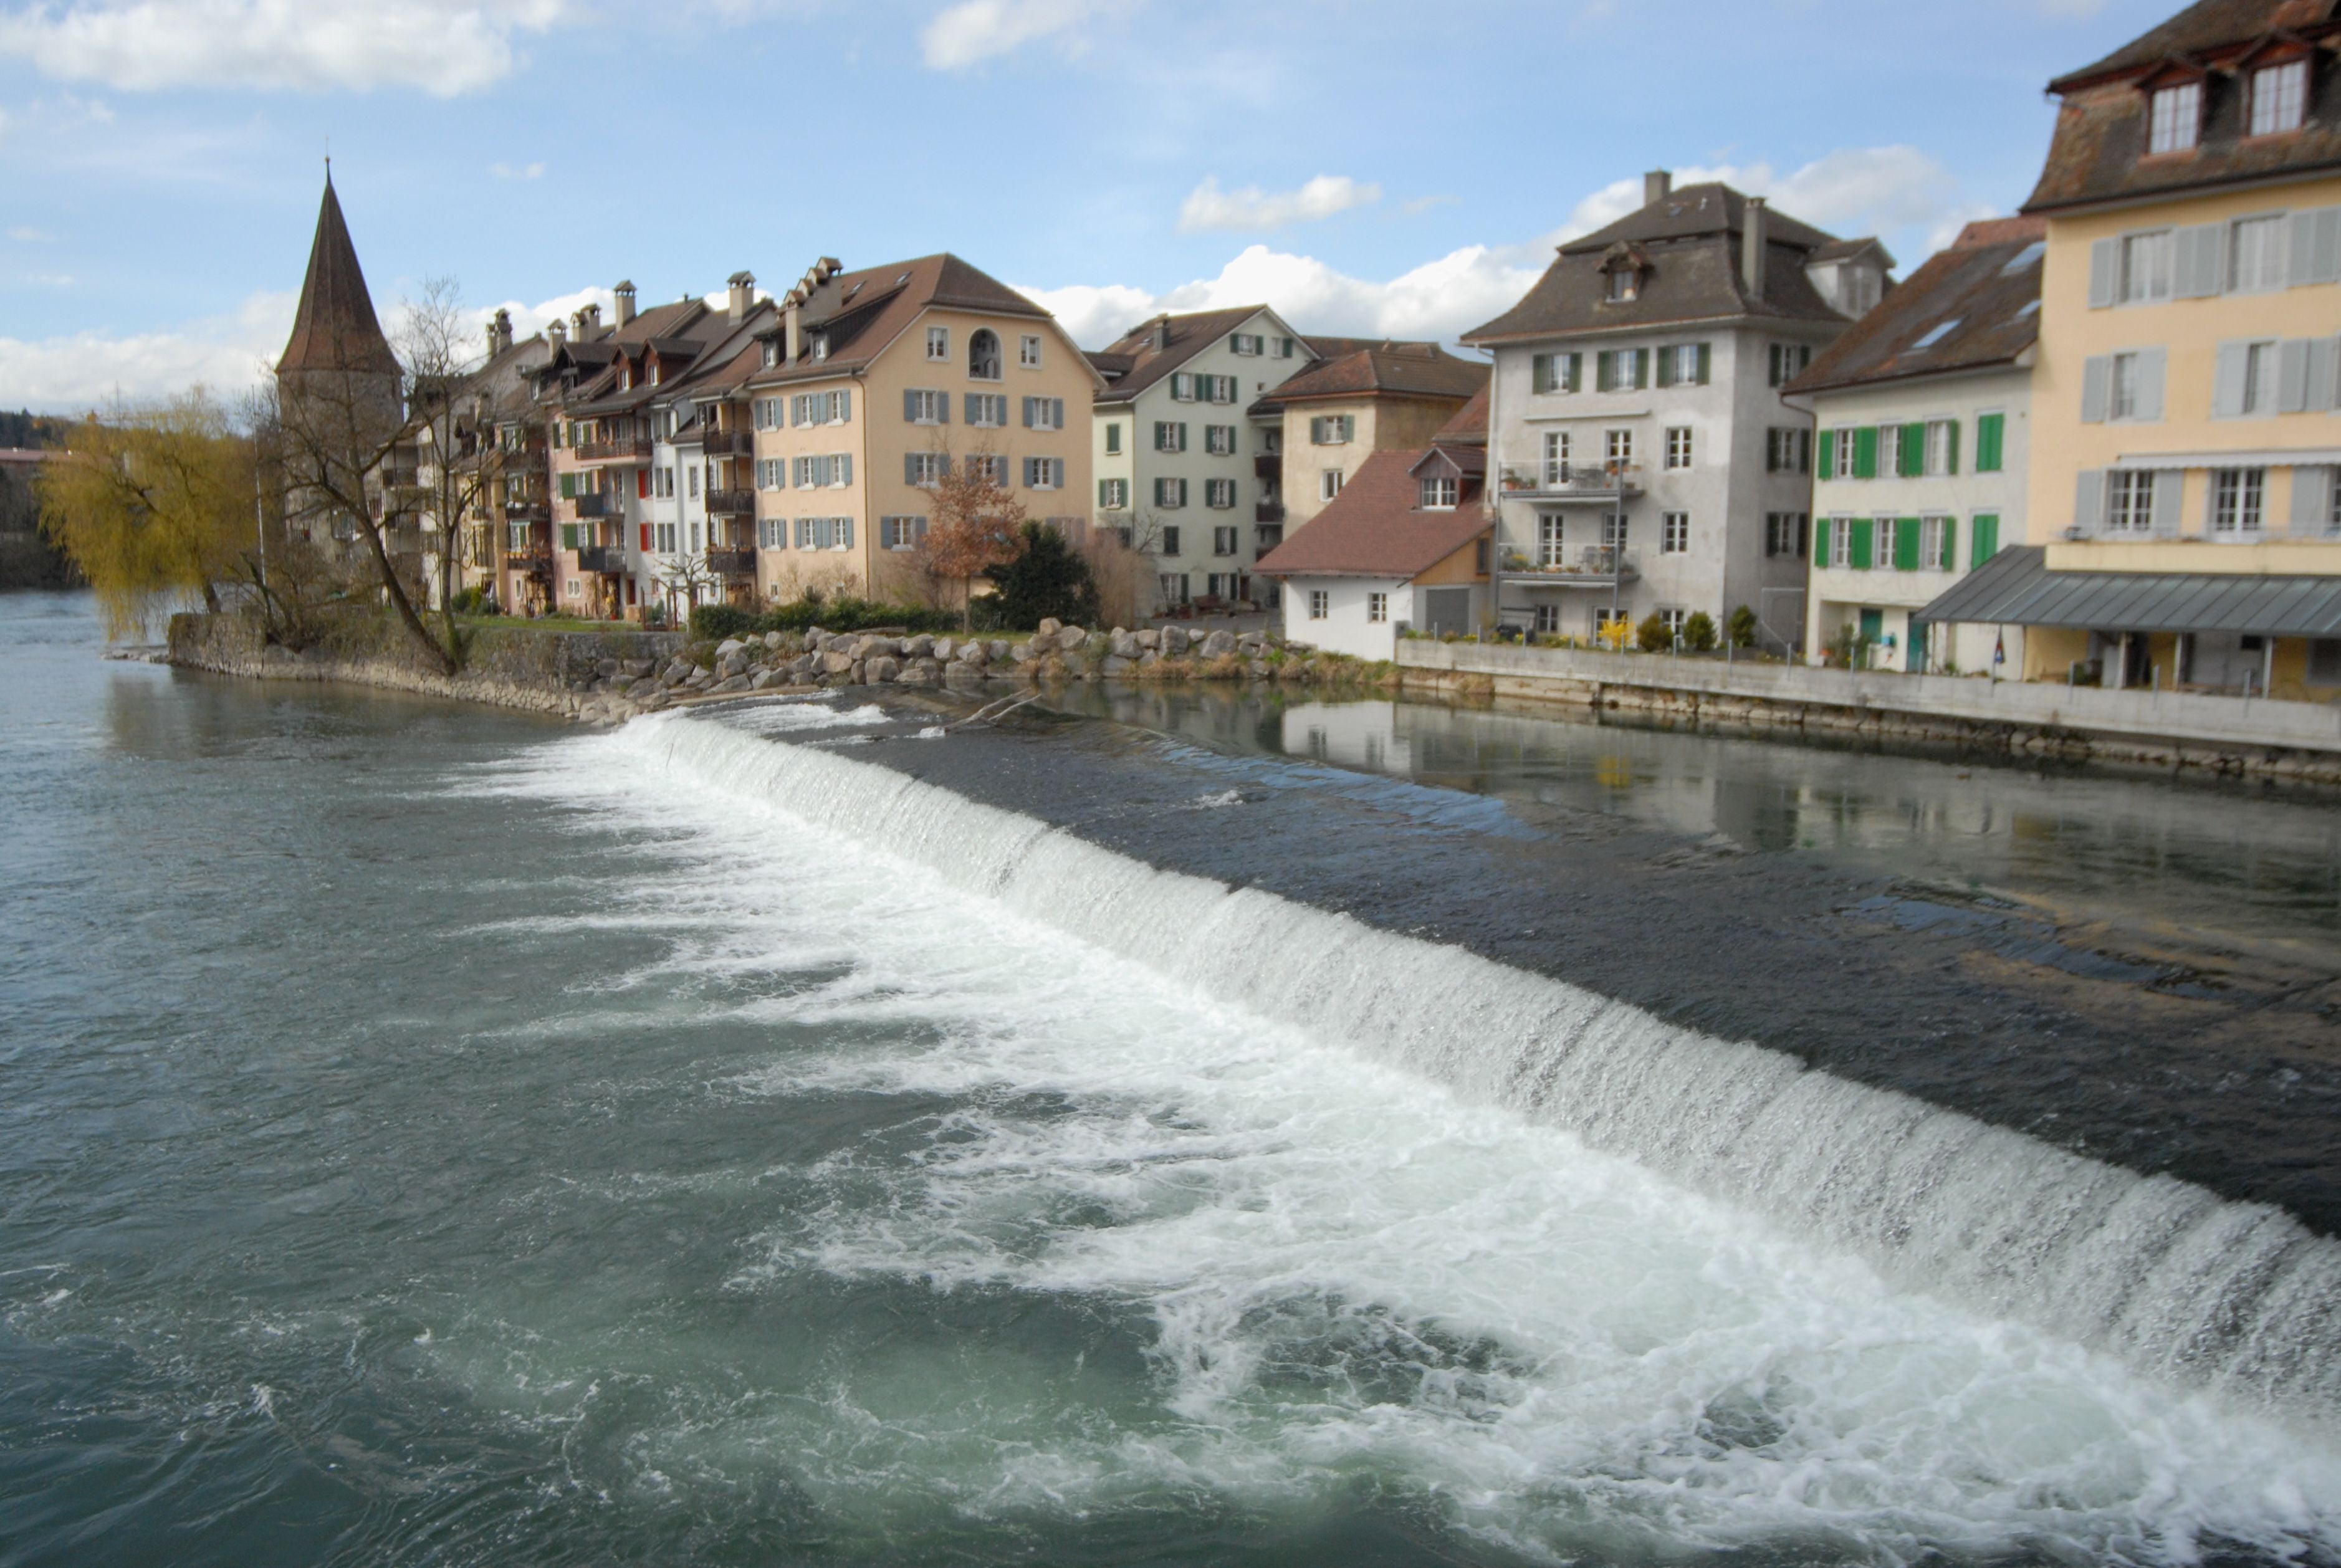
column 1470, row 425
column 1973, row 305
column 2099, row 151
column 1691, row 239
column 1375, row 527
column 334, row 329
column 1389, row 370
column 1143, row 361
column 859, row 312
column 590, row 370
column 729, row 364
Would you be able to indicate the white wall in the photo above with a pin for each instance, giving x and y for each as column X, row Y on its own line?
column 1345, row 629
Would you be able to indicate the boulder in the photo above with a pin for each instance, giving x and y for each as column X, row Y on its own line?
column 731, row 665
column 736, row 683
column 1150, row 639
column 1022, row 652
column 1117, row 665
column 772, row 642
column 763, row 678
column 728, row 647
column 1122, row 645
column 1258, row 668
column 975, row 653
column 815, row 638
column 642, row 687
column 1050, row 628
column 943, row 650
column 1218, row 644
column 635, row 669
column 870, row 645
column 606, row 669
column 998, row 650
column 921, row 673
column 919, row 647
column 676, row 673
column 1149, row 660
column 1174, row 642
column 837, row 662
column 804, row 666
column 880, row 668
column 1070, row 638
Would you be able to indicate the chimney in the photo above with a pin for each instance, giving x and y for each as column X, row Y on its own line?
column 1751, row 249
column 624, row 311
column 1162, row 333
column 1657, row 186
column 827, row 268
column 588, row 323
column 792, row 325
column 499, row 333
column 742, row 295
column 557, row 331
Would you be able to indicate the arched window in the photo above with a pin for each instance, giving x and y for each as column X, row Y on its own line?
column 983, row 355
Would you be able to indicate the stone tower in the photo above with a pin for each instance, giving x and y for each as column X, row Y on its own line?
column 337, row 385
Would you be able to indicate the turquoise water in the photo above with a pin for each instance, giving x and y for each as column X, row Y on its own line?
column 432, row 1135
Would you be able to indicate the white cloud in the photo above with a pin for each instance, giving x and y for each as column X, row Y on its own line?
column 442, row 46
column 522, row 171
column 31, row 237
column 975, row 31
column 1851, row 192
column 1209, row 207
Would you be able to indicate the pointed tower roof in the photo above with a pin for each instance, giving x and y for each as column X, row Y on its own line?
column 335, row 329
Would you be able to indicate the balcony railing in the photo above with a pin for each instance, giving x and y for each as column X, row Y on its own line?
column 1269, row 466
column 1596, row 566
column 727, row 443
column 731, row 562
column 601, row 503
column 527, row 512
column 528, row 563
column 609, row 560
column 1267, row 511
column 731, row 503
column 1268, row 536
column 632, row 449
column 1570, row 482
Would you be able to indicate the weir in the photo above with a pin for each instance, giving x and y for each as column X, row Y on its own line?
column 2238, row 1299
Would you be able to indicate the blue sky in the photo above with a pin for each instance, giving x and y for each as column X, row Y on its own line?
column 1365, row 166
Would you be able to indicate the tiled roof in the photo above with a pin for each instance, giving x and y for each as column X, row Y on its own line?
column 2098, row 152
column 1146, row 364
column 1690, row 240
column 1390, row 370
column 1375, row 528
column 1985, row 289
column 334, row 329
column 859, row 312
column 1470, row 425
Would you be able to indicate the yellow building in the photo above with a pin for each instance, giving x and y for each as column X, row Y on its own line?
column 873, row 381
column 2187, row 396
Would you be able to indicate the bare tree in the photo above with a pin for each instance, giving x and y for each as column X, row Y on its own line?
column 685, row 575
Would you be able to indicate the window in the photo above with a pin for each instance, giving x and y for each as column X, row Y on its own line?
column 1439, row 494
column 1246, row 343
column 771, row 473
column 1618, row 446
column 1170, row 435
column 1331, row 429
column 1219, row 440
column 1548, row 619
column 1550, row 533
column 1890, row 450
column 901, row 532
column 1182, row 387
column 1674, row 533
column 1219, row 494
column 2279, row 98
column 1028, row 350
column 1683, row 364
column 1555, row 372
column 2145, row 267
column 983, row 355
column 990, row 469
column 1223, row 541
column 666, row 539
column 2235, row 495
column 1284, row 348
column 1935, row 544
column 1621, row 369
column 819, row 346
column 924, row 467
column 2122, row 397
column 1556, row 458
column 926, row 407
column 1174, row 587
column 1329, row 485
column 1840, row 542
column 1991, row 442
column 1787, row 451
column 1784, row 533
column 1613, row 529
column 987, row 411
column 1044, row 413
column 1942, row 446
column 771, row 533
column 1881, row 555
column 2175, row 119
column 939, row 343
column 1378, row 608
column 2256, row 254
column 2129, row 501
column 1788, row 362
column 1321, row 604
column 2259, row 378
column 1171, row 543
column 1170, row 492
column 1678, row 447
column 1625, row 283
column 1113, row 438
column 1113, row 495
column 1937, row 333
column 1044, row 473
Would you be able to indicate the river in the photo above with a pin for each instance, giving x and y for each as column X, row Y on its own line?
column 435, row 1135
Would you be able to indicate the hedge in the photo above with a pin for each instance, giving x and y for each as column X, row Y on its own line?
column 718, row 621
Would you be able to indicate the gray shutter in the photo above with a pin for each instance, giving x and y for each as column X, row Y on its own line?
column 2170, row 496
column 2089, row 503
column 2228, row 381
column 2324, row 360
column 2315, row 246
column 974, row 413
column 2312, row 501
column 1028, row 412
column 2152, row 364
column 2291, row 376
column 2096, row 381
column 1057, row 411
column 909, row 468
column 2105, row 262
column 845, row 472
column 942, row 408
column 2200, row 251
column 910, row 407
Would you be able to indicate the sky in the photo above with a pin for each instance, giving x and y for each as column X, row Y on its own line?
column 1366, row 166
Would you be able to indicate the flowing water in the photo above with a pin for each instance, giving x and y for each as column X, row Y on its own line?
column 432, row 1135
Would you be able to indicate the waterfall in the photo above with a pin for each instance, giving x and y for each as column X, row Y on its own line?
column 2239, row 1299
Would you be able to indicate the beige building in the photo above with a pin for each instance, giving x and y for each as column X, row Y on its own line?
column 876, row 381
column 1362, row 397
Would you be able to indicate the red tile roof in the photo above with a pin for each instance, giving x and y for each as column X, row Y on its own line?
column 1973, row 306
column 1392, row 370
column 334, row 329
column 1376, row 527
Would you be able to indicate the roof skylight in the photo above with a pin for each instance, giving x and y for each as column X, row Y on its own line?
column 2029, row 256
column 1937, row 333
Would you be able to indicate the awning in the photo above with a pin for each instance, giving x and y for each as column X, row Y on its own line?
column 2016, row 588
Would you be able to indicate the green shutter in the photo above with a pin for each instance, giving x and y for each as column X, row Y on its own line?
column 1951, row 450
column 1950, row 557
column 1540, row 373
column 1820, row 541
column 1706, row 361
column 1989, row 434
column 1829, row 455
column 568, row 536
column 1983, row 538
column 1905, row 544
column 569, row 487
column 1911, row 461
column 1576, row 373
column 1864, row 456
column 1666, row 371
column 1641, row 368
column 1858, row 557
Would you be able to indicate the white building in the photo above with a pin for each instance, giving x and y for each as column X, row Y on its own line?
column 1641, row 459
column 1925, row 434
column 696, row 543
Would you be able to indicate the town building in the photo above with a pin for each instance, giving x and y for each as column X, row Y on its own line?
column 2185, row 436
column 497, row 486
column 1363, row 396
column 1923, row 412
column 1185, row 472
column 1638, row 446
column 1404, row 547
column 697, row 538
column 875, row 383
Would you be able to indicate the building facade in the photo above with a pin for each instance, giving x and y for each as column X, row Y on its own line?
column 1924, row 432
column 1640, row 453
column 697, row 538
column 1360, row 398
column 1184, row 471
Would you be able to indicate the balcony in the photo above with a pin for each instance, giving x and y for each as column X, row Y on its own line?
column 727, row 443
column 1268, row 536
column 1269, row 466
column 731, row 503
column 631, row 449
column 527, row 512
column 528, row 563
column 601, row 504
column 1596, row 566
column 1566, row 483
column 731, row 562
column 609, row 560
column 1267, row 511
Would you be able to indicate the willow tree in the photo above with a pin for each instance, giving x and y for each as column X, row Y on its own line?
column 154, row 504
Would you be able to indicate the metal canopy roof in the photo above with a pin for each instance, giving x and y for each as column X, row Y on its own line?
column 2016, row 588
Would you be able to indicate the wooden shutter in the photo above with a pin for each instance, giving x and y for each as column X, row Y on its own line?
column 2096, row 388
column 1990, row 431
column 1858, row 556
column 1951, row 449
column 1573, row 372
column 1865, row 455
column 1706, row 361
column 2089, row 500
column 1666, row 373
column 2105, row 267
column 1820, row 541
column 568, row 536
column 2315, row 246
column 2291, row 376
column 1540, row 373
column 1829, row 455
column 2198, row 252
column 1949, row 559
column 1906, row 531
column 2312, row 501
column 1910, row 462
column 2228, row 381
column 569, row 487
column 2169, row 500
column 911, row 407
column 1641, row 368
column 1983, row 538
column 1057, row 413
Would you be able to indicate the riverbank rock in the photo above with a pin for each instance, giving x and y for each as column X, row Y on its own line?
column 1218, row 644
column 1173, row 641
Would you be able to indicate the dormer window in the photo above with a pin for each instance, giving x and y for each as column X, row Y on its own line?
column 819, row 347
column 1625, row 283
column 772, row 354
column 2279, row 98
column 2175, row 122
column 1439, row 494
